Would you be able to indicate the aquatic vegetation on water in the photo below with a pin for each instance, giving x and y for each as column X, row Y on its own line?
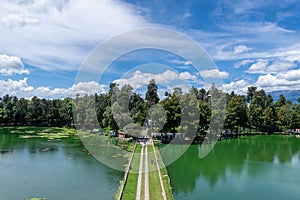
column 50, row 133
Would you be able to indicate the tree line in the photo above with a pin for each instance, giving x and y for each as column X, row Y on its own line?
column 123, row 109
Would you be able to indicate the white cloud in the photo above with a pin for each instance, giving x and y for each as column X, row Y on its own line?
column 214, row 73
column 140, row 79
column 21, row 88
column 242, row 63
column 10, row 65
column 259, row 67
column 290, row 53
column 263, row 67
column 187, row 76
column 239, row 87
column 18, row 20
column 89, row 88
column 241, row 49
column 188, row 63
column 283, row 81
column 55, row 34
column 280, row 66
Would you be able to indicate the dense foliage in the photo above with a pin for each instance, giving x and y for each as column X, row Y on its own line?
column 122, row 109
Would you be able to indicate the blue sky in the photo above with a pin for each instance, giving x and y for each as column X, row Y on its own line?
column 44, row 43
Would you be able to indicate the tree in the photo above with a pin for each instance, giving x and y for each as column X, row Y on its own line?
column 109, row 121
column 137, row 109
column 101, row 104
column 255, row 117
column 269, row 119
column 151, row 94
column 217, row 102
column 236, row 114
column 177, row 91
column 250, row 93
column 189, row 115
column 157, row 116
column 204, row 115
column 173, row 111
column 260, row 99
column 133, row 130
column 280, row 102
column 284, row 117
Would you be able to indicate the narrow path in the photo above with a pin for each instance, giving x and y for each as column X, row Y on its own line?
column 139, row 183
column 159, row 173
column 146, row 175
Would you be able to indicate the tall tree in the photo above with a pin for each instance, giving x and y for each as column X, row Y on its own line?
column 137, row 108
column 151, row 94
column 189, row 115
column 269, row 119
column 250, row 93
column 236, row 114
column 173, row 113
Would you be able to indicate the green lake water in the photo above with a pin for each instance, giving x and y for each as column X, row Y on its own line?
column 66, row 172
column 256, row 167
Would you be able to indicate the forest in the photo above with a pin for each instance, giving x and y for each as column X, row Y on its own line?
column 121, row 109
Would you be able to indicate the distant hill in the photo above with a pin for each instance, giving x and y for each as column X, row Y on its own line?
column 292, row 95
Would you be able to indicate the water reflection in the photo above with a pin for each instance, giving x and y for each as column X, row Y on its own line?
column 61, row 169
column 252, row 156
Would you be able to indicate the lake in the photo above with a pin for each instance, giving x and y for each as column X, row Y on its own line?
column 256, row 167
column 58, row 170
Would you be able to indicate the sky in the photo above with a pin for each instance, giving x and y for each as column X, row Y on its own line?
column 44, row 43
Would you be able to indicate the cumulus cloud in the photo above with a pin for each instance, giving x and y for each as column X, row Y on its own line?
column 280, row 66
column 282, row 81
column 241, row 49
column 239, row 87
column 277, row 66
column 187, row 76
column 259, row 67
column 140, row 79
column 214, row 73
column 269, row 82
column 10, row 65
column 21, row 88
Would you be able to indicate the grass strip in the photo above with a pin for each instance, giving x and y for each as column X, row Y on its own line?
column 165, row 176
column 131, row 183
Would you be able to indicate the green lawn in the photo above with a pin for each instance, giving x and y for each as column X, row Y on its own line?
column 165, row 176
column 130, row 187
column 154, row 182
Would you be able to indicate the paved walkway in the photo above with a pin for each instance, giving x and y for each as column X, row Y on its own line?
column 146, row 175
column 139, row 183
column 145, row 171
column 143, row 162
column 159, row 174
